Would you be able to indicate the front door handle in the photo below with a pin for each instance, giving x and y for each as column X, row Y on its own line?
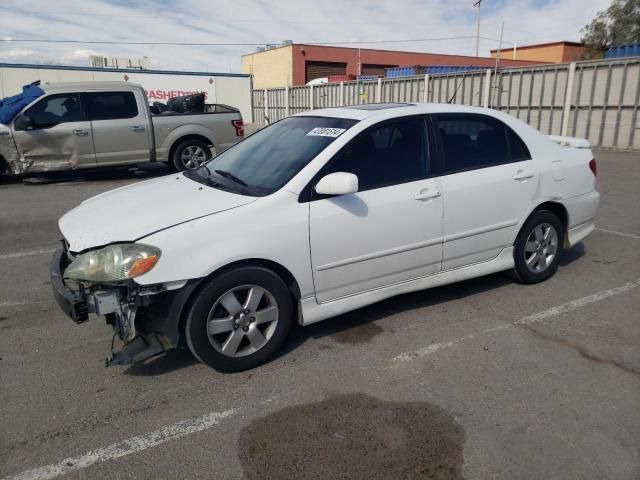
column 80, row 132
column 137, row 128
column 427, row 194
column 523, row 175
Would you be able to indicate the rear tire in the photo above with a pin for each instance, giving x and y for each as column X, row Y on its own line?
column 538, row 248
column 191, row 154
column 239, row 319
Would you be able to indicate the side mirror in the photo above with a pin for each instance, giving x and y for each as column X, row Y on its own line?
column 23, row 122
column 339, row 183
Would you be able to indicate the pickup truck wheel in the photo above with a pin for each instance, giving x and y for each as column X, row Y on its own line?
column 239, row 319
column 190, row 154
column 538, row 248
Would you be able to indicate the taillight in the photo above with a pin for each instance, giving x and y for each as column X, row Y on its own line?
column 594, row 167
column 239, row 126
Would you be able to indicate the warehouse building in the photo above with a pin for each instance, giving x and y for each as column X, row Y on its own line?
column 228, row 88
column 554, row 52
column 297, row 64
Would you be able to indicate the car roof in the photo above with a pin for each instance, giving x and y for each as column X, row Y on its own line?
column 360, row 112
column 85, row 86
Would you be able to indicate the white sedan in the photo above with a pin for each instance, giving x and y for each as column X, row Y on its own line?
column 316, row 215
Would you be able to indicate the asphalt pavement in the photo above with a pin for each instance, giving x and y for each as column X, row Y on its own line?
column 484, row 379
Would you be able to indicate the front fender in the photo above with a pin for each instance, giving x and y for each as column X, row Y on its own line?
column 273, row 228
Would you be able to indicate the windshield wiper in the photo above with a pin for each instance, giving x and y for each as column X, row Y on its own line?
column 231, row 176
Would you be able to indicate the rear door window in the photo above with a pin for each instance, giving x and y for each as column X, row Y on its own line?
column 471, row 141
column 111, row 105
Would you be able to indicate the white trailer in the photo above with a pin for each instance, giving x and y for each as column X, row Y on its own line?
column 229, row 88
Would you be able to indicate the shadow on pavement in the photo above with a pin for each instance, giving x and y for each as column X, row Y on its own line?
column 144, row 171
column 169, row 362
column 359, row 325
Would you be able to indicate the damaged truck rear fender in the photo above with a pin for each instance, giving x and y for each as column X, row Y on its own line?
column 168, row 136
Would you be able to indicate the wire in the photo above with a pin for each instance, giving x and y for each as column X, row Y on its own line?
column 243, row 44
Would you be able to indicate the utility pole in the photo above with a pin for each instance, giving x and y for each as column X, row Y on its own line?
column 477, row 4
column 498, row 86
column 499, row 48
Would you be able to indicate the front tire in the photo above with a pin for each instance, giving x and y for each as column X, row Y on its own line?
column 239, row 319
column 191, row 154
column 538, row 248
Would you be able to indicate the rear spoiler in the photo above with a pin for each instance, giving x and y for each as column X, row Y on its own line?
column 570, row 141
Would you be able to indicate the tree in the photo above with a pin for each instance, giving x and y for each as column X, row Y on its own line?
column 618, row 24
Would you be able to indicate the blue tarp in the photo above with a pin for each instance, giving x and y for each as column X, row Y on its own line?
column 11, row 106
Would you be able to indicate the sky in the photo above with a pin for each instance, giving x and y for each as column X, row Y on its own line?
column 270, row 22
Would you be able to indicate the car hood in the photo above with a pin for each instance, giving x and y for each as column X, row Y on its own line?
column 129, row 213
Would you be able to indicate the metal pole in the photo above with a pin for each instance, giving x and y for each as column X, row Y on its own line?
column 477, row 4
column 286, row 101
column 425, row 94
column 253, row 106
column 567, row 100
column 266, row 105
column 311, row 99
column 487, row 89
column 379, row 90
column 515, row 49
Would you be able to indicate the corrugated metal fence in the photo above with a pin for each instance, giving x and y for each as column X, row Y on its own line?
column 597, row 100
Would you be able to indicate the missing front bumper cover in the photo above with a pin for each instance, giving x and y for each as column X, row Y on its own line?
column 71, row 302
column 139, row 349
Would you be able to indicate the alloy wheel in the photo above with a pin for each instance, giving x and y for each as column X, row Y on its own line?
column 242, row 320
column 193, row 157
column 541, row 247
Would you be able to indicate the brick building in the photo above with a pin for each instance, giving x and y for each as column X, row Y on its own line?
column 554, row 52
column 296, row 64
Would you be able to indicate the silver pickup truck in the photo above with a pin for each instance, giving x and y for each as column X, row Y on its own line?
column 100, row 124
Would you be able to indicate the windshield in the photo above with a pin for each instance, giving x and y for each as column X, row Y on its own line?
column 268, row 159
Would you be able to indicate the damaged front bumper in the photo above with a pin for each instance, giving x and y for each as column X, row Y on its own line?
column 145, row 319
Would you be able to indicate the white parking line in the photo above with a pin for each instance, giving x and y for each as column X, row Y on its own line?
column 622, row 234
column 13, row 304
column 42, row 251
column 125, row 447
column 21, row 303
column 535, row 318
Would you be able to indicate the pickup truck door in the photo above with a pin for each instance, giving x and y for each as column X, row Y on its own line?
column 55, row 136
column 119, row 122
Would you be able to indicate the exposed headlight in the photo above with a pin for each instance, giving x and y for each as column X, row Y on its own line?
column 113, row 263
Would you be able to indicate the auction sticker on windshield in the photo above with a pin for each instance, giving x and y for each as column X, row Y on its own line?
column 326, row 132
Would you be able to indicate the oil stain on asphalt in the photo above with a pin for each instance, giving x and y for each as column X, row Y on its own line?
column 354, row 436
column 355, row 330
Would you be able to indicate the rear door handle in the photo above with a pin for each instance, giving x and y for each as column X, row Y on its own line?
column 523, row 175
column 427, row 194
column 80, row 132
column 137, row 128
